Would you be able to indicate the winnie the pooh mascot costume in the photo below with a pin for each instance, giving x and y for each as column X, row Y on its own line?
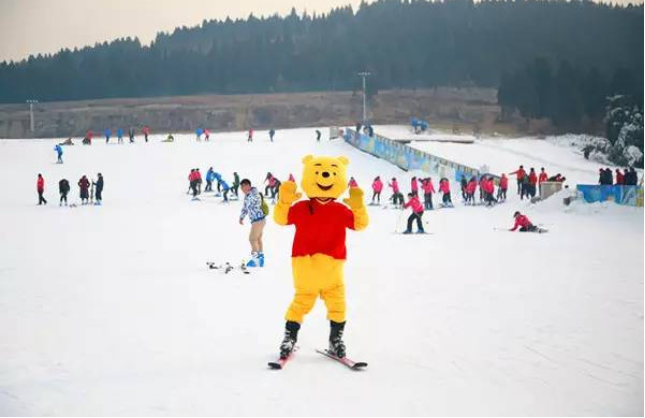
column 319, row 253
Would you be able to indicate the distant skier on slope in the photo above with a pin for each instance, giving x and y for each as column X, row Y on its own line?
column 59, row 152
column 40, row 188
column 84, row 186
column 63, row 189
column 318, row 135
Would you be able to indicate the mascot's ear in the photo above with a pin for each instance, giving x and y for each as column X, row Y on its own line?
column 343, row 160
column 307, row 159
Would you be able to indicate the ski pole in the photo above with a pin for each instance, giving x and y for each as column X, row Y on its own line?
column 398, row 221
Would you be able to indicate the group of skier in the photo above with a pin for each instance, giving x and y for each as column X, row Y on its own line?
column 107, row 134
column 195, row 181
column 90, row 191
column 629, row 177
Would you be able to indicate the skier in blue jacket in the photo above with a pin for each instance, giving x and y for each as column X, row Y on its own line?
column 119, row 135
column 59, row 151
column 210, row 176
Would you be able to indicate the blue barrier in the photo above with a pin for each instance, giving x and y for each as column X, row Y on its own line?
column 623, row 195
column 408, row 158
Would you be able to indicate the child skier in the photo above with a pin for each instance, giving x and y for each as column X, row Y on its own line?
column 397, row 196
column 414, row 186
column 471, row 187
column 444, row 187
column 377, row 187
column 417, row 213
column 428, row 191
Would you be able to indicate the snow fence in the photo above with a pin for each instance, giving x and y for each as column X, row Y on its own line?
column 409, row 158
column 622, row 195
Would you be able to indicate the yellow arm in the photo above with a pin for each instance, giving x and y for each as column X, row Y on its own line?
column 288, row 195
column 356, row 204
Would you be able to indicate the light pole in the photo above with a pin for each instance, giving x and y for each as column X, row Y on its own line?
column 364, row 75
column 31, row 114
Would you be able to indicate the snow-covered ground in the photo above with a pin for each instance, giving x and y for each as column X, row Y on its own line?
column 405, row 133
column 111, row 311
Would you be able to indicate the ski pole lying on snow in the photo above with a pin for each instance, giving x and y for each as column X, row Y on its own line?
column 398, row 221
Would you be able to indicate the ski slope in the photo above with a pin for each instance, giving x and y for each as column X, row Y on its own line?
column 111, row 311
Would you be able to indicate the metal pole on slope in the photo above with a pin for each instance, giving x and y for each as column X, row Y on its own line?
column 364, row 74
column 31, row 114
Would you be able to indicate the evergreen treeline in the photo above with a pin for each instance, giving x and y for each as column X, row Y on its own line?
column 567, row 94
column 404, row 44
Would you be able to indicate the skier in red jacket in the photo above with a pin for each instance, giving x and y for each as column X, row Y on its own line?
column 525, row 225
column 520, row 173
column 503, row 187
column 40, row 188
column 417, row 213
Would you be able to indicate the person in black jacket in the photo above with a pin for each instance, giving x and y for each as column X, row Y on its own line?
column 98, row 193
column 63, row 189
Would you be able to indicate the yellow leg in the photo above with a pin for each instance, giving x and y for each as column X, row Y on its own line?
column 301, row 305
column 335, row 301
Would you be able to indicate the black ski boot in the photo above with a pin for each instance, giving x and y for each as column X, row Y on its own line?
column 290, row 338
column 336, row 344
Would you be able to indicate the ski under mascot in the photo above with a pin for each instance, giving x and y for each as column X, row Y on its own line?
column 319, row 252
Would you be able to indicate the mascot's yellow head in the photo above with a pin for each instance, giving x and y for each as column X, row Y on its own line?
column 324, row 178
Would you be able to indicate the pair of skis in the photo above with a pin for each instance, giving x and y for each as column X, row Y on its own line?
column 349, row 363
column 228, row 267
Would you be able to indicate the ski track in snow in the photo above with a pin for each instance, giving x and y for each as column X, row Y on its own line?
column 111, row 310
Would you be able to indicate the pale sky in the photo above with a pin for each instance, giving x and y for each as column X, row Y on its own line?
column 45, row 26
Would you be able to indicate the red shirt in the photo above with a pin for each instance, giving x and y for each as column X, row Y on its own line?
column 520, row 173
column 320, row 228
column 533, row 178
column 543, row 177
column 40, row 184
column 522, row 222
column 415, row 204
column 503, row 183
column 620, row 178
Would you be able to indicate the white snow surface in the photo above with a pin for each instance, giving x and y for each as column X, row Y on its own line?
column 111, row 311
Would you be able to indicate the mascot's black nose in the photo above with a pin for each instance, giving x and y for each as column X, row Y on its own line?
column 325, row 174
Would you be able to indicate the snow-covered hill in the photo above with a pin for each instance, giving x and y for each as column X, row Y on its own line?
column 111, row 311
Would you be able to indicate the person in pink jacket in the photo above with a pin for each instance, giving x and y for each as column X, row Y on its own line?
column 397, row 196
column 428, row 191
column 444, row 187
column 471, row 187
column 414, row 186
column 352, row 182
column 417, row 213
column 377, row 187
